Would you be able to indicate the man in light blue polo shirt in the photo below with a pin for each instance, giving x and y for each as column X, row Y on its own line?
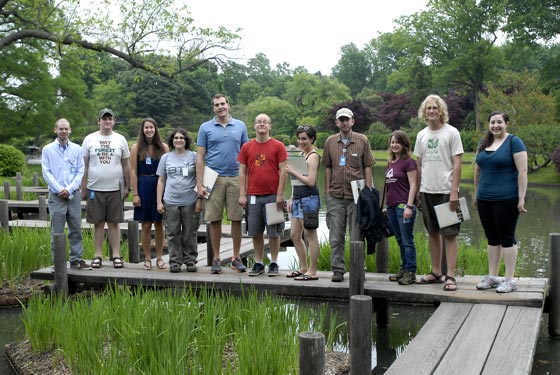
column 62, row 165
column 218, row 144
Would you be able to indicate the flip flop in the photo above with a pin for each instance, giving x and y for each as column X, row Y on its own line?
column 294, row 274
column 161, row 264
column 436, row 279
column 306, row 277
column 147, row 265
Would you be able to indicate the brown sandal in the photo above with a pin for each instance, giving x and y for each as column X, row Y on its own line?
column 97, row 262
column 161, row 264
column 450, row 284
column 147, row 265
column 434, row 280
column 118, row 262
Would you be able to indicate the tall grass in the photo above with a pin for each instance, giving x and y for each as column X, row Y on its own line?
column 23, row 250
column 173, row 332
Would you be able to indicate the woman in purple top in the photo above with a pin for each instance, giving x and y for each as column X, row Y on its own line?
column 401, row 187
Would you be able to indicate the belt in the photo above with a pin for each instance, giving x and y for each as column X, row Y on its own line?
column 149, row 175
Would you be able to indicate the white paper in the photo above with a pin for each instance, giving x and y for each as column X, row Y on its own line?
column 299, row 164
column 208, row 180
column 357, row 187
column 273, row 214
column 446, row 217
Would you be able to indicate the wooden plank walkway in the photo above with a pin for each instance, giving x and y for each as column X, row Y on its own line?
column 465, row 339
column 531, row 292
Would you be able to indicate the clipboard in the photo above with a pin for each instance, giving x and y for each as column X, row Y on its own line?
column 273, row 215
column 299, row 164
column 208, row 180
column 446, row 217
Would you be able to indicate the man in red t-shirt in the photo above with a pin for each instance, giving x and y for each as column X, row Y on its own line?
column 262, row 178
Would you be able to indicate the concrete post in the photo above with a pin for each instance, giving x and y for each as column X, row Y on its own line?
column 311, row 353
column 19, row 191
column 4, row 215
column 60, row 270
column 7, row 190
column 35, row 179
column 360, row 335
column 357, row 265
column 133, row 249
column 554, row 282
column 43, row 208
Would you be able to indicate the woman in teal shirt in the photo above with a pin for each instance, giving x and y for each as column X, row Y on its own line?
column 500, row 181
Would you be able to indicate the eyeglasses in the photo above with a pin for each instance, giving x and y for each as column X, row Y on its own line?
column 304, row 127
column 261, row 122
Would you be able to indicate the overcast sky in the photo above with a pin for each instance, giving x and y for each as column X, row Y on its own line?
column 305, row 33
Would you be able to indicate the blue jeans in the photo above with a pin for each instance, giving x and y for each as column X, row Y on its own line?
column 404, row 234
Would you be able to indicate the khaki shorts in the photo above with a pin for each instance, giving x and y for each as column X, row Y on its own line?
column 104, row 206
column 427, row 203
column 224, row 194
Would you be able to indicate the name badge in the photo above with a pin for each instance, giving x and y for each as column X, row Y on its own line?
column 343, row 161
column 148, row 160
column 253, row 200
column 186, row 171
column 91, row 194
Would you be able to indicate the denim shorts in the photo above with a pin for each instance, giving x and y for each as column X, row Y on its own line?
column 305, row 204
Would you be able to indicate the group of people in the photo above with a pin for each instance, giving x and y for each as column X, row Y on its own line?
column 167, row 183
column 500, row 180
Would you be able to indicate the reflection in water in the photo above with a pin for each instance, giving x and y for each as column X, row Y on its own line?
column 11, row 328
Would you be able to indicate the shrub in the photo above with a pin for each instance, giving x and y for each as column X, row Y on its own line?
column 12, row 160
column 556, row 159
column 321, row 138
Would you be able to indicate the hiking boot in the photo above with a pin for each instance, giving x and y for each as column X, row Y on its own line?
column 191, row 266
column 80, row 265
column 216, row 266
column 396, row 277
column 273, row 269
column 507, row 286
column 238, row 265
column 488, row 282
column 408, row 278
column 258, row 269
column 337, row 277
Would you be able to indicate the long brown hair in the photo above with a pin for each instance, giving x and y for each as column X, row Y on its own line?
column 143, row 144
column 404, row 140
column 489, row 137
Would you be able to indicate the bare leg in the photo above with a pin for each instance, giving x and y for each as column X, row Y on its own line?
column 494, row 258
column 98, row 237
column 258, row 245
column 274, row 244
column 236, row 237
column 436, row 251
column 114, row 235
column 159, row 238
column 215, row 237
column 147, row 240
column 296, row 231
column 510, row 259
column 313, row 241
column 451, row 251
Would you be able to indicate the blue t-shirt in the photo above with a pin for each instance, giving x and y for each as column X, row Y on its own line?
column 498, row 174
column 222, row 145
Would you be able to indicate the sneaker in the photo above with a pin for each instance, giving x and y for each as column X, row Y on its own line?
column 507, row 286
column 80, row 265
column 337, row 277
column 191, row 266
column 238, row 265
column 216, row 266
column 175, row 268
column 396, row 277
column 408, row 278
column 273, row 269
column 258, row 269
column 489, row 282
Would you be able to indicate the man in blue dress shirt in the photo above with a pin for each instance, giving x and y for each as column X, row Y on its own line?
column 62, row 164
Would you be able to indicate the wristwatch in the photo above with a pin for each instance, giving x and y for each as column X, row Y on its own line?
column 409, row 206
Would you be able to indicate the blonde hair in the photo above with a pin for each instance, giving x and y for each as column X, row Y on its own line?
column 444, row 114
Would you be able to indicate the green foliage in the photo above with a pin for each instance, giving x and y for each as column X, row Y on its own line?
column 540, row 140
column 321, row 138
column 282, row 114
column 470, row 139
column 12, row 160
column 378, row 141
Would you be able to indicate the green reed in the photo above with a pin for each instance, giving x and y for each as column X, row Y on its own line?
column 125, row 331
column 23, row 250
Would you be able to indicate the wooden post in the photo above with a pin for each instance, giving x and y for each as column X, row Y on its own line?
column 4, row 215
column 35, row 179
column 209, row 248
column 43, row 208
column 7, row 190
column 311, row 353
column 360, row 335
column 133, row 249
column 357, row 264
column 554, row 282
column 19, row 191
column 60, row 270
column 382, row 256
